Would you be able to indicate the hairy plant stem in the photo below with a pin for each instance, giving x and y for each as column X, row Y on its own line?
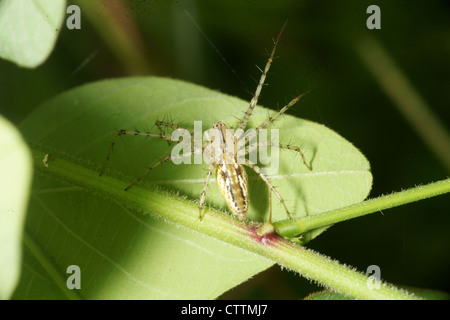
column 295, row 227
column 184, row 212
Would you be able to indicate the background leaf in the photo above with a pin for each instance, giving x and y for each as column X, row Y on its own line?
column 146, row 258
column 15, row 173
column 28, row 29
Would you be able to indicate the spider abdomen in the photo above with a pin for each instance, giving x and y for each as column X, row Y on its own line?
column 233, row 184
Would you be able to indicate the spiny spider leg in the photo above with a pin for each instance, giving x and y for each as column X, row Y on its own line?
column 270, row 203
column 173, row 126
column 130, row 132
column 121, row 132
column 165, row 159
column 269, row 122
column 271, row 119
column 255, row 98
column 201, row 203
column 272, row 188
column 252, row 147
column 162, row 124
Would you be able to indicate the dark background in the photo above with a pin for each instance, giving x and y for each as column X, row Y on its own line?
column 318, row 51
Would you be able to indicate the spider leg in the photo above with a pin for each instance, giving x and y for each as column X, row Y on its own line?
column 279, row 113
column 255, row 98
column 122, row 132
column 165, row 124
column 252, row 147
column 272, row 188
column 165, row 159
column 270, row 204
column 203, row 195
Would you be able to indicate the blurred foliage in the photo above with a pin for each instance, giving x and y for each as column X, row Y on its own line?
column 317, row 51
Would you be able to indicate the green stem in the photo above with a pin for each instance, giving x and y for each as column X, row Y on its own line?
column 221, row 226
column 295, row 227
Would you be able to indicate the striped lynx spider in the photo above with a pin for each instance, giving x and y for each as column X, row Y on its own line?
column 230, row 173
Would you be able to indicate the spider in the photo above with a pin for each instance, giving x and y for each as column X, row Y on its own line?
column 230, row 174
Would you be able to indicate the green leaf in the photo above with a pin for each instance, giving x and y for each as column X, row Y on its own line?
column 15, row 173
column 28, row 29
column 124, row 253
